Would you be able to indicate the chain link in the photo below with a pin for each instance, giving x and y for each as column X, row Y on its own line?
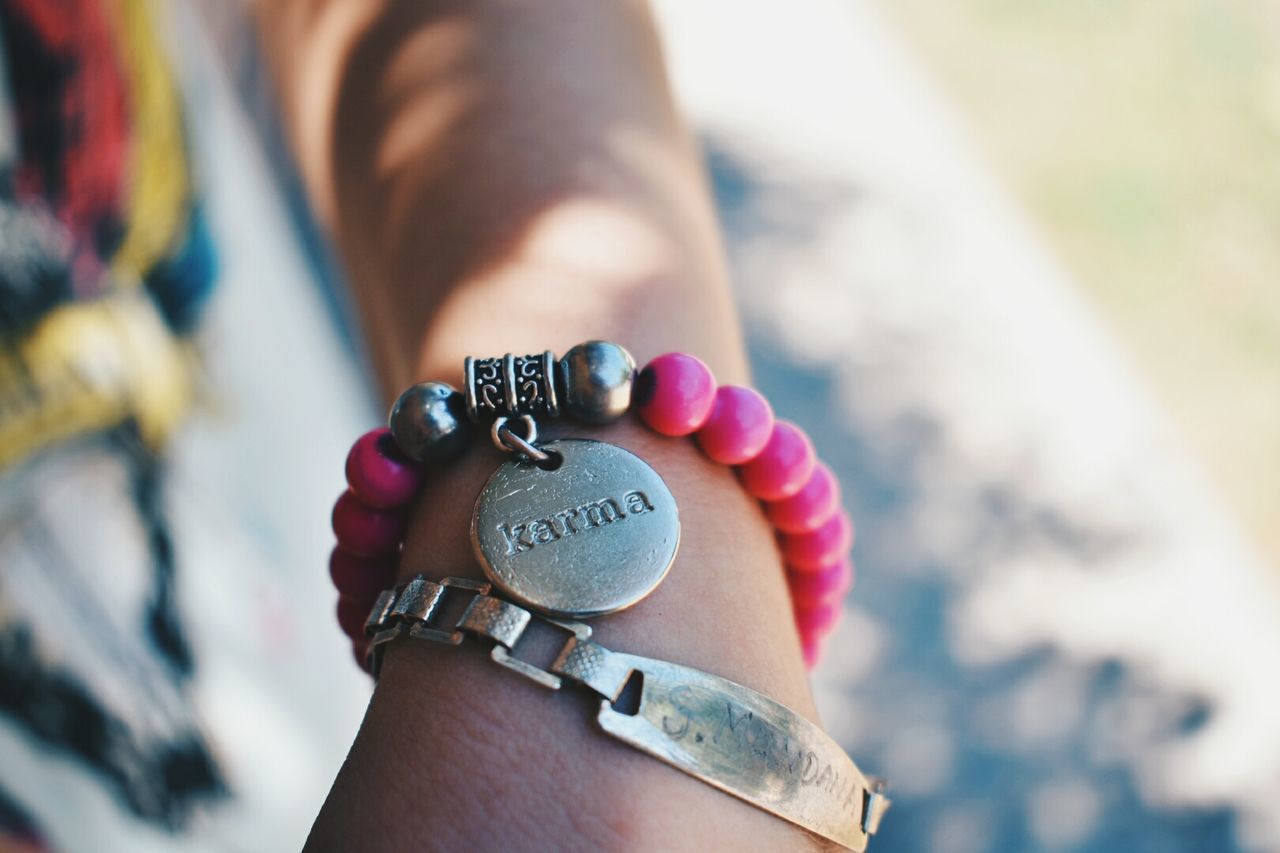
column 714, row 729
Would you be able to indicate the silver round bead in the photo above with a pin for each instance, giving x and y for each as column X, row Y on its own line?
column 597, row 378
column 429, row 422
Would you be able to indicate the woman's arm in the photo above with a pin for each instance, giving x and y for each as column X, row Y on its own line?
column 511, row 175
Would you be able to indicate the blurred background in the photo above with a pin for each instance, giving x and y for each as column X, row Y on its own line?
column 1138, row 136
column 1009, row 261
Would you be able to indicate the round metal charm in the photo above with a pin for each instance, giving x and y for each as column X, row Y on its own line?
column 595, row 535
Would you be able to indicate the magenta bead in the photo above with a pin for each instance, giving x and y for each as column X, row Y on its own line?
column 811, row 648
column 809, row 552
column 377, row 472
column 352, row 614
column 815, row 622
column 809, row 508
column 783, row 467
column 739, row 427
column 360, row 648
column 674, row 394
column 365, row 531
column 828, row 583
column 361, row 577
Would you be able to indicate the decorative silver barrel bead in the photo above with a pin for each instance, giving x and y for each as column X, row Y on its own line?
column 596, row 379
column 428, row 422
column 510, row 386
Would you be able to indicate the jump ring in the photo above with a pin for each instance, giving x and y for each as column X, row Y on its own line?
column 505, row 438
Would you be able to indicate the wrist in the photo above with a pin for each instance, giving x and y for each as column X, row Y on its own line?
column 724, row 604
column 717, row 638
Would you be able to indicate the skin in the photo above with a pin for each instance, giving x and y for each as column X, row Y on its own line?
column 511, row 176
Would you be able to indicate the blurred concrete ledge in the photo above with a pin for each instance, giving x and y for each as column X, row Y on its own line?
column 1060, row 638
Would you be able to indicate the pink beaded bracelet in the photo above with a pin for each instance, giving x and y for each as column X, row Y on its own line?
column 675, row 395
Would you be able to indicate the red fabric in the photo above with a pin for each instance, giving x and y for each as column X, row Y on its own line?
column 72, row 115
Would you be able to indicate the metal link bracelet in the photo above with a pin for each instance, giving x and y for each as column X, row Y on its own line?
column 714, row 729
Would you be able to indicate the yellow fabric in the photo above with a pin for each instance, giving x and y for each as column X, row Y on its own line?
column 88, row 367
column 158, row 169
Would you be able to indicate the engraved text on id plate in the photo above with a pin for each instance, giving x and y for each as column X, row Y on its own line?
column 593, row 536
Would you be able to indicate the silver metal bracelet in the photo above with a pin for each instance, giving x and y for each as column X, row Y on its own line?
column 714, row 729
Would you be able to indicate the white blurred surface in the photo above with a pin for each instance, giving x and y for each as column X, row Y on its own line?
column 1006, row 457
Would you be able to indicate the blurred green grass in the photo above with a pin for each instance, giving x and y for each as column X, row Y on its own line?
column 1144, row 137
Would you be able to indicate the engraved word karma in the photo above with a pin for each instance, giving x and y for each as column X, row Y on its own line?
column 572, row 521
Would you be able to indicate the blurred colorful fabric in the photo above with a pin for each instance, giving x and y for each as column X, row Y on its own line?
column 105, row 262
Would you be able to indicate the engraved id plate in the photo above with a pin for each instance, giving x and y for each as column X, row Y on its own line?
column 747, row 745
column 593, row 536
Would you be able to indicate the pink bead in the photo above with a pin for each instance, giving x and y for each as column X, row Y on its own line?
column 783, row 467
column 829, row 583
column 809, row 552
column 809, row 508
column 359, row 648
column 819, row 620
column 811, row 648
column 365, row 531
column 361, row 577
column 352, row 613
column 674, row 394
column 378, row 473
column 739, row 427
